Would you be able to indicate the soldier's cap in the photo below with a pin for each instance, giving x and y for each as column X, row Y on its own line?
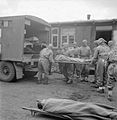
column 101, row 40
column 84, row 41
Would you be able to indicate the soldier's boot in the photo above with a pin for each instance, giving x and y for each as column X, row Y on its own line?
column 39, row 81
column 69, row 81
column 86, row 79
column 101, row 89
column 110, row 95
column 45, row 80
column 95, row 85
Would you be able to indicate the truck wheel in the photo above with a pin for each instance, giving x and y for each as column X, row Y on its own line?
column 28, row 74
column 7, row 71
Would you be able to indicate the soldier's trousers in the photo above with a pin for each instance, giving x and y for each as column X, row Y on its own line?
column 68, row 70
column 43, row 67
column 50, row 67
column 112, row 75
column 101, row 72
column 82, row 70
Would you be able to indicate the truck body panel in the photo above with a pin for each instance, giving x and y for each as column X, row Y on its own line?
column 12, row 40
column 18, row 29
column 20, row 41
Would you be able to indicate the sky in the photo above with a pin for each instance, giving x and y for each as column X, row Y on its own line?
column 60, row 10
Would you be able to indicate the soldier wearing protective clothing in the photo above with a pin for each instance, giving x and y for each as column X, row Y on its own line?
column 67, row 68
column 84, row 53
column 110, row 44
column 100, row 56
column 95, row 63
column 46, row 56
column 112, row 67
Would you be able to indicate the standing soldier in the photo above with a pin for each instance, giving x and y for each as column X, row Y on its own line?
column 95, row 63
column 67, row 67
column 112, row 67
column 100, row 56
column 110, row 44
column 84, row 53
column 77, row 66
column 46, row 56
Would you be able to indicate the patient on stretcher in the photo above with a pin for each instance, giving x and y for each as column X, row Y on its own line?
column 76, row 109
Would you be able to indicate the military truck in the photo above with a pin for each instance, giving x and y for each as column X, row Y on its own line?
column 20, row 41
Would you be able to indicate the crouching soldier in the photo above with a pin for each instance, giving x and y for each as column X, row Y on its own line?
column 46, row 57
column 112, row 67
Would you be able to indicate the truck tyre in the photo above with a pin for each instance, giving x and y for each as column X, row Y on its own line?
column 28, row 74
column 7, row 71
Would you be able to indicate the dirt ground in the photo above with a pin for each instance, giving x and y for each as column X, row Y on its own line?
column 25, row 92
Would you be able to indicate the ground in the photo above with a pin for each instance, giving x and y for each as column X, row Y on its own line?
column 25, row 92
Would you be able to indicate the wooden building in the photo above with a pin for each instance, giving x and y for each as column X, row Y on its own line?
column 91, row 30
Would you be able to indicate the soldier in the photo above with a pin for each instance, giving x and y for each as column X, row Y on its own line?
column 46, row 56
column 110, row 44
column 67, row 67
column 95, row 62
column 77, row 66
column 84, row 53
column 112, row 67
column 100, row 56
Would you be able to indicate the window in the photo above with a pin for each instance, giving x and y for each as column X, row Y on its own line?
column 55, row 33
column 67, row 35
column 55, row 41
column 5, row 23
column 64, row 39
column 71, row 39
column 0, row 33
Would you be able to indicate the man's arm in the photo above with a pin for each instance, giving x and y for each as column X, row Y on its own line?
column 90, row 53
column 95, row 56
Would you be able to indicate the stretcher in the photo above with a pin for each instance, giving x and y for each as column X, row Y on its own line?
column 73, row 62
column 65, row 109
column 66, row 59
column 36, row 111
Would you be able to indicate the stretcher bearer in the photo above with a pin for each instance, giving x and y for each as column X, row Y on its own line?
column 110, row 44
column 46, row 56
column 95, row 63
column 112, row 67
column 84, row 53
column 63, row 52
column 100, row 56
column 77, row 66
column 67, row 68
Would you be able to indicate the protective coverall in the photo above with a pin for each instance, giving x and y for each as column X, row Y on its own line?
column 84, row 53
column 46, row 56
column 112, row 71
column 100, row 56
column 67, row 68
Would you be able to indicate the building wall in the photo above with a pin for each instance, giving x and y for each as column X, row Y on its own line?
column 83, row 31
column 73, row 33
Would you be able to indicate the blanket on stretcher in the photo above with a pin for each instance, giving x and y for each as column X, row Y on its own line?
column 79, row 110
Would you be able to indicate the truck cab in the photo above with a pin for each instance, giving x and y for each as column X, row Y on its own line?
column 21, row 38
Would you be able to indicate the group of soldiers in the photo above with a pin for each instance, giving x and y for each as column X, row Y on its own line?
column 104, row 59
